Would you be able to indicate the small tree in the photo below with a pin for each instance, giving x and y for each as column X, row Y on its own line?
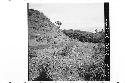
column 58, row 23
column 102, row 30
column 96, row 30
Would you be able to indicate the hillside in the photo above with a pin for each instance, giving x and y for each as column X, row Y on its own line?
column 54, row 56
column 84, row 36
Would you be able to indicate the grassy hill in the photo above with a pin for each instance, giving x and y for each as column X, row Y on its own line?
column 53, row 55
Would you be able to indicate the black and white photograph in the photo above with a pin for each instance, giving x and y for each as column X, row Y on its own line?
column 65, row 41
column 68, row 42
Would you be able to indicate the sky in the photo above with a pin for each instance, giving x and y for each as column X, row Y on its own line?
column 82, row 16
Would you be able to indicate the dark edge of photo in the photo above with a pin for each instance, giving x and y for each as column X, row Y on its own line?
column 28, row 40
column 107, row 41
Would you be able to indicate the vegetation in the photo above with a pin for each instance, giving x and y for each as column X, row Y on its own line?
column 68, row 55
column 84, row 36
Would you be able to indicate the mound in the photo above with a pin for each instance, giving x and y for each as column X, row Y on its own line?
column 54, row 56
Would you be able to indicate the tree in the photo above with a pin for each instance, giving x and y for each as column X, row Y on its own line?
column 58, row 23
column 96, row 30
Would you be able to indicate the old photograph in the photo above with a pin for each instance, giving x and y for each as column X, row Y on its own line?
column 68, row 42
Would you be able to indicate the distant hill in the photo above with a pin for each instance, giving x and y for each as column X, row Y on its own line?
column 84, row 36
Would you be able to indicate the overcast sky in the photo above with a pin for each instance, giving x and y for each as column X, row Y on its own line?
column 84, row 16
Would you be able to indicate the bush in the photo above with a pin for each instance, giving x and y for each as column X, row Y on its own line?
column 84, row 36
